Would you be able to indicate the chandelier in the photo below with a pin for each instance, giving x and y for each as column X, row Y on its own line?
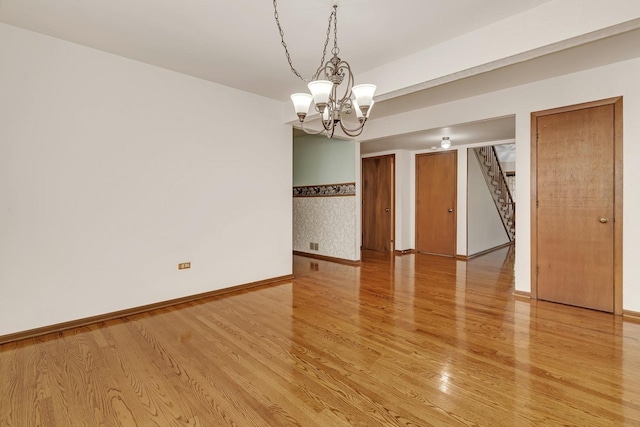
column 333, row 103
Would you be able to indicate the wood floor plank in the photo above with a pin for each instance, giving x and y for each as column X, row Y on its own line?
column 415, row 340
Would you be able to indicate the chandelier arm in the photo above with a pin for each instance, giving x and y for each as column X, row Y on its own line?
column 309, row 132
column 286, row 49
column 329, row 124
column 349, row 131
column 346, row 98
column 352, row 132
column 327, row 132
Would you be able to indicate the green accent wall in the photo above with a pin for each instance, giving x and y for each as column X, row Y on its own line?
column 319, row 160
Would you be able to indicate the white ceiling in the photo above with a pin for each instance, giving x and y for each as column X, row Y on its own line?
column 236, row 42
column 499, row 129
column 604, row 51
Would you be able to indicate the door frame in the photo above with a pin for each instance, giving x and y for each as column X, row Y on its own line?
column 393, row 199
column 617, row 197
column 455, row 198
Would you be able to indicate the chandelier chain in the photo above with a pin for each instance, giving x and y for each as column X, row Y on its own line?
column 333, row 17
column 336, row 50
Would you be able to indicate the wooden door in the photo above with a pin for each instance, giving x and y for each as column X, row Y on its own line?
column 378, row 183
column 575, row 207
column 436, row 189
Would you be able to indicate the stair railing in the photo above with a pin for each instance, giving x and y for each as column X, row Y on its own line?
column 497, row 184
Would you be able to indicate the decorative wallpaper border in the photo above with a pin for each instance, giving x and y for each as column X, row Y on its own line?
column 348, row 189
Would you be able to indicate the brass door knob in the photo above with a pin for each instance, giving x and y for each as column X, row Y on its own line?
column 604, row 219
column 450, row 210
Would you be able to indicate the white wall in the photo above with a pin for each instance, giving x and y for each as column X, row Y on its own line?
column 484, row 226
column 405, row 192
column 461, row 205
column 113, row 171
column 508, row 166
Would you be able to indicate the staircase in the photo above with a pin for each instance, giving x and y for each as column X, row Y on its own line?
column 497, row 184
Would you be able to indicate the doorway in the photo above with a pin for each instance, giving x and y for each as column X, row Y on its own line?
column 576, row 178
column 436, row 191
column 378, row 203
column 490, row 198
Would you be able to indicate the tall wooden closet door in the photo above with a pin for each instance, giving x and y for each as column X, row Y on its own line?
column 436, row 189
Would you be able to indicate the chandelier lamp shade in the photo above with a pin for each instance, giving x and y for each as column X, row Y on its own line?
column 338, row 101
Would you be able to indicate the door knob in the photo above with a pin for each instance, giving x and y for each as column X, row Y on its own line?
column 386, row 209
column 450, row 210
column 604, row 219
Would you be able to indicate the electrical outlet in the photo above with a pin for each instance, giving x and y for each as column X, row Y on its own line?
column 184, row 265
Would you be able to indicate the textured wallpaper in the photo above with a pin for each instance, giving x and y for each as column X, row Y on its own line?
column 328, row 221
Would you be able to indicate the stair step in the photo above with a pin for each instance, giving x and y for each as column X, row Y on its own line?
column 498, row 192
column 490, row 173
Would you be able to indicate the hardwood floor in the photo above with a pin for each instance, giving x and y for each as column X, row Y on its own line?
column 415, row 340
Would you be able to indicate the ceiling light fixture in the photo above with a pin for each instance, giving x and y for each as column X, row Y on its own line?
column 446, row 142
column 332, row 107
